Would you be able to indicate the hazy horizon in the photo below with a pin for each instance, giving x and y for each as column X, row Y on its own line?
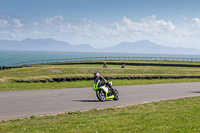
column 50, row 44
column 91, row 44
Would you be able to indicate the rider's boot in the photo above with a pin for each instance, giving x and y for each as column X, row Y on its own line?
column 109, row 92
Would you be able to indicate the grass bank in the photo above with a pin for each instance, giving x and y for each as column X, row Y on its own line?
column 180, row 115
column 6, row 86
column 58, row 71
column 47, row 72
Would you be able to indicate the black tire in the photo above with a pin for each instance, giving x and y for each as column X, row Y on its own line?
column 116, row 94
column 100, row 95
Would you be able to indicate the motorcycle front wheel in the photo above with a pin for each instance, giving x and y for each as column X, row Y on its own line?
column 100, row 95
column 116, row 94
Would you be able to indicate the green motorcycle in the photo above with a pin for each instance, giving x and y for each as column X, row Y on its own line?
column 106, row 92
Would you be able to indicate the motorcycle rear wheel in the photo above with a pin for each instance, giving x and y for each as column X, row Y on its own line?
column 100, row 95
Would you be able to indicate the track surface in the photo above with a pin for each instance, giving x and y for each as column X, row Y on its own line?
column 19, row 104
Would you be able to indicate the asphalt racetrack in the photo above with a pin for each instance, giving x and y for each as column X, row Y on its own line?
column 19, row 104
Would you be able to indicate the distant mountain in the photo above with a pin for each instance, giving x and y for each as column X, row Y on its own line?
column 43, row 45
column 149, row 47
column 49, row 44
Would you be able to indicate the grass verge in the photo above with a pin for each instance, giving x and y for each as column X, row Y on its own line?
column 44, row 72
column 6, row 86
column 58, row 71
column 180, row 115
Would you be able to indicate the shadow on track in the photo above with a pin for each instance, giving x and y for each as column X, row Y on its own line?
column 194, row 91
column 91, row 101
column 88, row 101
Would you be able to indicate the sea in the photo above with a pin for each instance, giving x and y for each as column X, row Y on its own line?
column 10, row 58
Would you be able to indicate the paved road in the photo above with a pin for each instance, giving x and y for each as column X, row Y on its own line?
column 19, row 104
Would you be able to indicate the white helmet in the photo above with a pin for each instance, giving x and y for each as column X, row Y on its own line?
column 96, row 75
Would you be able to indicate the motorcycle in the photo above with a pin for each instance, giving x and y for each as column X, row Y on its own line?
column 106, row 92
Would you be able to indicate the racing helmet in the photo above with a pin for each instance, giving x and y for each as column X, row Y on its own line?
column 96, row 75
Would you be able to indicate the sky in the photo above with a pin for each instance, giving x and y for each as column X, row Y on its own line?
column 103, row 23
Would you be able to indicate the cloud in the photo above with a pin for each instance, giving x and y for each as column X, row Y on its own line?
column 184, row 17
column 9, row 22
column 3, row 23
column 196, row 21
column 101, row 34
column 148, row 24
column 59, row 17
column 17, row 22
column 7, row 34
column 47, row 20
column 55, row 19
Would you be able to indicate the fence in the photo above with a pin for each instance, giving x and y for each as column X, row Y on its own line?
column 106, row 59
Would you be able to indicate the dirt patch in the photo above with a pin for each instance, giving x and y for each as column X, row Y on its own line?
column 37, row 78
column 55, row 71
column 3, row 80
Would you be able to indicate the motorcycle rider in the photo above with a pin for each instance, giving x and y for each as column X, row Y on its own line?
column 101, row 81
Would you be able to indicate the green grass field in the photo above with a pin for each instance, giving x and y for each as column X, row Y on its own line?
column 47, row 72
column 180, row 115
column 53, row 71
column 13, row 86
column 44, row 72
column 150, row 61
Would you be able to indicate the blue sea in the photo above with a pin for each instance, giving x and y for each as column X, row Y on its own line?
column 10, row 58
